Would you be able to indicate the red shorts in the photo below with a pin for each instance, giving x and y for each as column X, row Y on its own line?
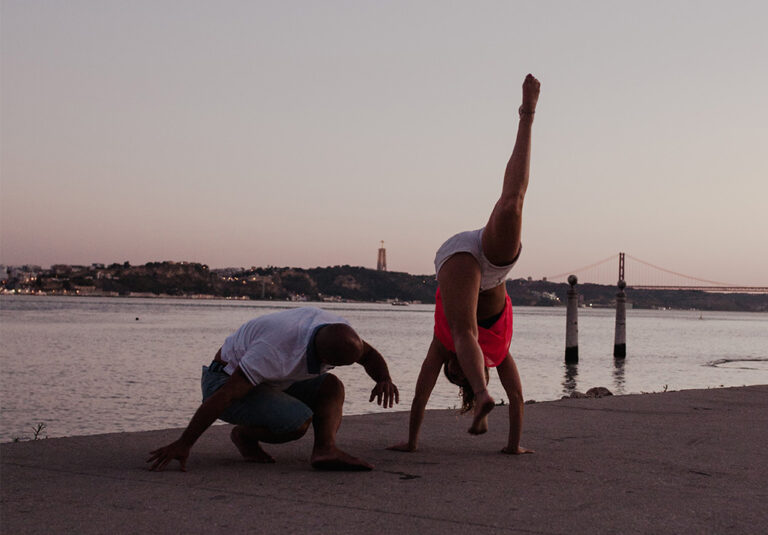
column 494, row 342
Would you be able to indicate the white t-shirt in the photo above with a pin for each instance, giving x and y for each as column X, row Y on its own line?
column 471, row 242
column 276, row 349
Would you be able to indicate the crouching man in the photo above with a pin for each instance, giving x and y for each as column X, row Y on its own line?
column 270, row 379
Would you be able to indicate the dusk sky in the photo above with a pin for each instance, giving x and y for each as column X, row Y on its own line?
column 255, row 133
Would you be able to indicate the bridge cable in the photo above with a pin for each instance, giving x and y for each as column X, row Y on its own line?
column 678, row 274
column 578, row 270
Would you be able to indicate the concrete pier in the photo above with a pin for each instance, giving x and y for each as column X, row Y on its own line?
column 675, row 462
column 572, row 323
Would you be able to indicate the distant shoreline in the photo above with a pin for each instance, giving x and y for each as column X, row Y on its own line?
column 207, row 297
column 335, row 284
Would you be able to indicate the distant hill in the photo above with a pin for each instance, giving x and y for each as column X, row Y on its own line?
column 336, row 283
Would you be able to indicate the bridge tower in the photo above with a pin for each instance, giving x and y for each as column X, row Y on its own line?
column 621, row 267
column 381, row 262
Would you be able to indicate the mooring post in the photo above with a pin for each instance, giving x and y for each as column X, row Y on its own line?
column 620, row 341
column 572, row 323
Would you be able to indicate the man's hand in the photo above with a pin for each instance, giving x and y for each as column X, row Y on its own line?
column 531, row 87
column 162, row 456
column 236, row 387
column 515, row 451
column 404, row 446
column 385, row 393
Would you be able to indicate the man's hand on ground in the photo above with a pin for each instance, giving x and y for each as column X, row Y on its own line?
column 385, row 393
column 162, row 456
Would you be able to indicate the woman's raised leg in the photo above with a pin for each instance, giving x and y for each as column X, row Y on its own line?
column 501, row 238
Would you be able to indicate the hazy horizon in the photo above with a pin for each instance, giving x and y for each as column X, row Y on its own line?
column 300, row 134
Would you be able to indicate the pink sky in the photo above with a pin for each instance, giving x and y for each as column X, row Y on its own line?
column 302, row 133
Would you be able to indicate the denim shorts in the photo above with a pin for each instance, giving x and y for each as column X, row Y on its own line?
column 280, row 411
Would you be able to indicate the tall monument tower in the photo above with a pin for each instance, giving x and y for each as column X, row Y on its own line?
column 381, row 263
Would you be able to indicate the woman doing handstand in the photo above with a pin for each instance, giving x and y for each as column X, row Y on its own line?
column 473, row 313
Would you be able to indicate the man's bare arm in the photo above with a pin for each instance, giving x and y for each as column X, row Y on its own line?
column 236, row 387
column 385, row 392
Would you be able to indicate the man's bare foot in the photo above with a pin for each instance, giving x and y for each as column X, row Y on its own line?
column 335, row 459
column 248, row 448
column 483, row 405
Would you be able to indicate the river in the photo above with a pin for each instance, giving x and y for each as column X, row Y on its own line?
column 84, row 365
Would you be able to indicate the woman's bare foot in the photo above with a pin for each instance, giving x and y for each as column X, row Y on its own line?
column 531, row 88
column 484, row 404
column 248, row 448
column 335, row 459
column 478, row 427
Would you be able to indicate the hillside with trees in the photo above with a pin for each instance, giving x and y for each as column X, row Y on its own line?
column 333, row 283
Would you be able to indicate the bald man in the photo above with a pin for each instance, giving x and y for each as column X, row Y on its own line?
column 270, row 379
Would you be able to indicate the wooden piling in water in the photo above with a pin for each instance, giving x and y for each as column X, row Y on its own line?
column 620, row 340
column 572, row 323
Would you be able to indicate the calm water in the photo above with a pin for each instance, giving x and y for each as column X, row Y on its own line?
column 88, row 365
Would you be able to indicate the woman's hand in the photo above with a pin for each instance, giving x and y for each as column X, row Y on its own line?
column 404, row 446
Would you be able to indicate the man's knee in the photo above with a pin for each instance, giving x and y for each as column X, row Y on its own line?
column 289, row 436
column 331, row 387
column 301, row 431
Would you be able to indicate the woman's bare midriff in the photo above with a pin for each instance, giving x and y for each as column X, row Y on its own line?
column 491, row 302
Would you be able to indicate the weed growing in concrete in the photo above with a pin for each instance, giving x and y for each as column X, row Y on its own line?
column 37, row 433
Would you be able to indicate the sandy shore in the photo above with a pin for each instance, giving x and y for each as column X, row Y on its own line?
column 678, row 462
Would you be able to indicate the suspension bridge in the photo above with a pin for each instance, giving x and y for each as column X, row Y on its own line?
column 641, row 275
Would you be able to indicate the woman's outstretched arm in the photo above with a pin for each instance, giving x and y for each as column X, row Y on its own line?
column 510, row 380
column 430, row 371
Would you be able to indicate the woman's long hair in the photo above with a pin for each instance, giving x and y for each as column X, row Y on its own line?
column 466, row 393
